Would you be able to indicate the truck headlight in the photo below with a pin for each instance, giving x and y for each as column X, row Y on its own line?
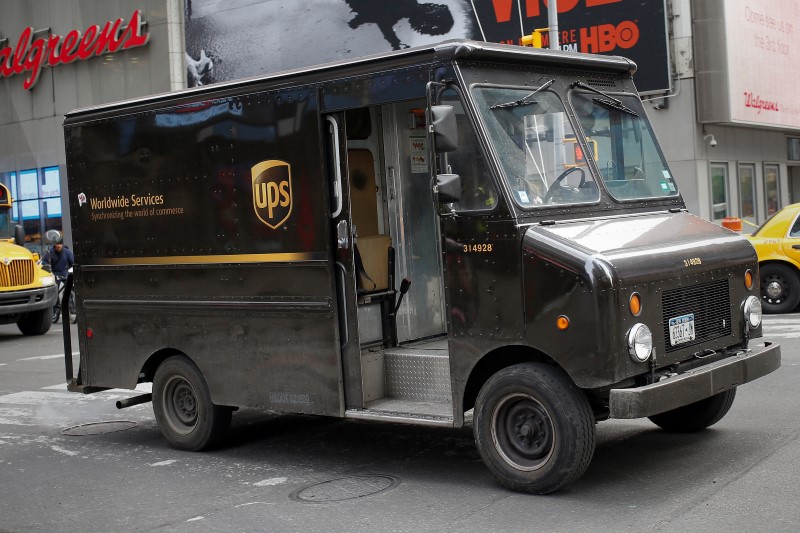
column 640, row 343
column 48, row 281
column 752, row 311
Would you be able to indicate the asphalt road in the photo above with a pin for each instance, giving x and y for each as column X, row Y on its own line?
column 299, row 473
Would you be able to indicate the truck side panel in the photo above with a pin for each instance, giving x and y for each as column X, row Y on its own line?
column 202, row 228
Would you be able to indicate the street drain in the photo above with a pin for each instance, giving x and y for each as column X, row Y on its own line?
column 98, row 428
column 346, row 488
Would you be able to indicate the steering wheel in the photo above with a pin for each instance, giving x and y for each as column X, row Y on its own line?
column 557, row 188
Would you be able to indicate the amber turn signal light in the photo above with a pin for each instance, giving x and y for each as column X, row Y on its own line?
column 748, row 279
column 562, row 322
column 635, row 304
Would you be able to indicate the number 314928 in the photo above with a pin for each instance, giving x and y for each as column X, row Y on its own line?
column 485, row 247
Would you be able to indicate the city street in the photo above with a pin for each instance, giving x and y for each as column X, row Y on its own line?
column 311, row 474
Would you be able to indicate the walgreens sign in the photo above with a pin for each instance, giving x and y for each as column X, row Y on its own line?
column 30, row 55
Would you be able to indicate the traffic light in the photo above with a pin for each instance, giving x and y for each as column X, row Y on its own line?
column 534, row 39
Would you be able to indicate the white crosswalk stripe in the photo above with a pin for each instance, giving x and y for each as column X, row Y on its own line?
column 53, row 406
column 782, row 326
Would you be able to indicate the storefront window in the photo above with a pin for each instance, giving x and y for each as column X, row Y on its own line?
column 36, row 202
column 11, row 182
column 51, row 184
column 719, row 191
column 29, row 211
column 28, row 185
column 747, row 192
column 772, row 188
column 793, row 148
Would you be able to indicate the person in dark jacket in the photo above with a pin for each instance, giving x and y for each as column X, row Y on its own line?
column 59, row 258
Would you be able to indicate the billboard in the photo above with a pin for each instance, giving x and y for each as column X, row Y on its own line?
column 230, row 40
column 763, row 58
column 634, row 29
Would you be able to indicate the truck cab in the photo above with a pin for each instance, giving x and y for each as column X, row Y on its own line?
column 460, row 234
column 27, row 292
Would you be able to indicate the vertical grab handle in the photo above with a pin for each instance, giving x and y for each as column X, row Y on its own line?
column 337, row 166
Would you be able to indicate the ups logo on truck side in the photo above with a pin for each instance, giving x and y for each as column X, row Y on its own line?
column 272, row 192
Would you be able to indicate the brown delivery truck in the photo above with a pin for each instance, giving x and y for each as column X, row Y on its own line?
column 464, row 233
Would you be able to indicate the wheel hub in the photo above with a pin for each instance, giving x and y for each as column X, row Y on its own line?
column 530, row 431
column 185, row 404
column 181, row 405
column 774, row 289
column 524, row 432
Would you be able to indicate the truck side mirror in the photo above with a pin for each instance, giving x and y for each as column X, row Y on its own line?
column 19, row 235
column 445, row 129
column 448, row 187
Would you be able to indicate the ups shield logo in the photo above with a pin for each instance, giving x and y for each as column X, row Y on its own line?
column 272, row 192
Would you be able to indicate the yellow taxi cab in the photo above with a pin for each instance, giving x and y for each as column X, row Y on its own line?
column 777, row 243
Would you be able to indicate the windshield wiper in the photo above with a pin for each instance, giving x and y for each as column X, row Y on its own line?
column 525, row 100
column 612, row 102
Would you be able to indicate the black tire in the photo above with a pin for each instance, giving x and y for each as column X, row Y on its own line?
column 780, row 288
column 35, row 323
column 183, row 408
column 534, row 428
column 56, row 313
column 696, row 416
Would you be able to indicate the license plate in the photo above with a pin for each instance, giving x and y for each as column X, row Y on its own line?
column 681, row 329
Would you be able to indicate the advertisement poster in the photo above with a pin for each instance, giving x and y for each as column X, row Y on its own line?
column 767, row 37
column 231, row 40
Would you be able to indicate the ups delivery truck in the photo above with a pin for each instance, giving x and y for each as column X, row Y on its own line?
column 465, row 233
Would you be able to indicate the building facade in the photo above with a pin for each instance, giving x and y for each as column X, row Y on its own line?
column 59, row 56
column 731, row 125
column 717, row 75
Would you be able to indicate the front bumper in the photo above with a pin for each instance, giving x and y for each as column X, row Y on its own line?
column 18, row 302
column 696, row 384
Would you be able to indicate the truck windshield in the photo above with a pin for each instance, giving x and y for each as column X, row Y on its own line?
column 625, row 150
column 536, row 145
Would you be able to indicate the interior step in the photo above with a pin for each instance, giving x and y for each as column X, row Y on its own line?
column 419, row 372
column 405, row 412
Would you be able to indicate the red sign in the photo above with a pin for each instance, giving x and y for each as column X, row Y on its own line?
column 30, row 55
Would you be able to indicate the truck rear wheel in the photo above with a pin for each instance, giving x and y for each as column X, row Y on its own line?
column 183, row 408
column 696, row 416
column 35, row 323
column 534, row 428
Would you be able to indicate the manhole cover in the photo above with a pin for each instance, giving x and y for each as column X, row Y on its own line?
column 346, row 488
column 98, row 428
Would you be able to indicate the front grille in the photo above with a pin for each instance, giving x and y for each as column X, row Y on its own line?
column 16, row 273
column 17, row 300
column 709, row 302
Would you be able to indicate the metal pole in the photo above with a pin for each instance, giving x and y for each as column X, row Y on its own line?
column 552, row 23
column 558, row 128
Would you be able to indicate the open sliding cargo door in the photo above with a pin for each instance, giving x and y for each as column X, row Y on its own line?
column 343, row 256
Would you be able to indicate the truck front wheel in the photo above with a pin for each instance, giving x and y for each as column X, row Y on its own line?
column 35, row 323
column 696, row 416
column 534, row 428
column 183, row 408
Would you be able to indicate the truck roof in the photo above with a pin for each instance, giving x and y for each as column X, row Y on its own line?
column 451, row 50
